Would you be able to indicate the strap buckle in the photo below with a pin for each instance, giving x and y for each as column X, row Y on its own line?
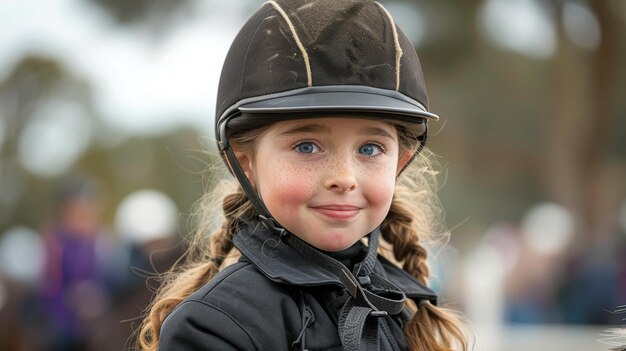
column 378, row 314
column 364, row 280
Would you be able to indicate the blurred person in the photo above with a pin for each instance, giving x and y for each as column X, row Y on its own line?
column 146, row 222
column 21, row 262
column 621, row 260
column 485, row 271
column 591, row 287
column 319, row 147
column 73, row 288
column 596, row 278
column 545, row 233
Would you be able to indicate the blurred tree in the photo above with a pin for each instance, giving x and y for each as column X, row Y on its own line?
column 491, row 106
column 519, row 129
column 173, row 163
column 33, row 81
column 582, row 113
column 155, row 13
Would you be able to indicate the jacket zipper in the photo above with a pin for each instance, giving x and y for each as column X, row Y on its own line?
column 307, row 319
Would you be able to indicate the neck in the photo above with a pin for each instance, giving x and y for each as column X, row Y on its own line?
column 349, row 256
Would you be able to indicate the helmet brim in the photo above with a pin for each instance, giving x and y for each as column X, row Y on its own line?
column 340, row 99
column 332, row 99
column 357, row 101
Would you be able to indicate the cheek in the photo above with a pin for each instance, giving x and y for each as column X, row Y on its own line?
column 282, row 190
column 380, row 185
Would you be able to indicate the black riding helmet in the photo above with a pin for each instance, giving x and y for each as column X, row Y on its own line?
column 304, row 58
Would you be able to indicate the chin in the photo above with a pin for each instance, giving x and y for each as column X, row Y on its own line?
column 333, row 248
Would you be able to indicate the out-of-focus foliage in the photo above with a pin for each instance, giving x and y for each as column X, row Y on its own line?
column 144, row 11
column 174, row 162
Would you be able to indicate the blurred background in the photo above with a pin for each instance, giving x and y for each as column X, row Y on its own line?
column 106, row 117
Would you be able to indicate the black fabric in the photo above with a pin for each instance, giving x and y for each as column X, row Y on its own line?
column 411, row 67
column 279, row 300
column 262, row 57
column 349, row 43
column 280, row 262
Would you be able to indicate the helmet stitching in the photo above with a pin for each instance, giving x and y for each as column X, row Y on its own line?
column 396, row 43
column 305, row 55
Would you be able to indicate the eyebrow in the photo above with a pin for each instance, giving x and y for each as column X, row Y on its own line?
column 376, row 131
column 308, row 128
column 321, row 128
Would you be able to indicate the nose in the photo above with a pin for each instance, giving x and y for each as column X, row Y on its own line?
column 341, row 178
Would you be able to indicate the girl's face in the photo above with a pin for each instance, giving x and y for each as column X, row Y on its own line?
column 330, row 181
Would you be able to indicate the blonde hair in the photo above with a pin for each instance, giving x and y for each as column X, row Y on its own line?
column 413, row 220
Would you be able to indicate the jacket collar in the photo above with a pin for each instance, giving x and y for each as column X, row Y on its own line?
column 285, row 258
column 278, row 259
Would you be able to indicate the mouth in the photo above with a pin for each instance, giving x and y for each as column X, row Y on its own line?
column 338, row 212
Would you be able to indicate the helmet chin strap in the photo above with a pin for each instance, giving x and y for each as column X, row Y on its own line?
column 263, row 213
column 422, row 139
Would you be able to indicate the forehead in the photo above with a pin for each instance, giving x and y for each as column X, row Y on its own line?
column 330, row 124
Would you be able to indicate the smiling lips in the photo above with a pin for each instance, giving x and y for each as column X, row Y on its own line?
column 340, row 212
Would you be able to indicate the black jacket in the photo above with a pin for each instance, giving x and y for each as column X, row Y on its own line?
column 280, row 296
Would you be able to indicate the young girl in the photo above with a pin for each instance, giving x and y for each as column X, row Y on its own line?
column 321, row 109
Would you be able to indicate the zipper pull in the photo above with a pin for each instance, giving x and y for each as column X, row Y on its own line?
column 307, row 319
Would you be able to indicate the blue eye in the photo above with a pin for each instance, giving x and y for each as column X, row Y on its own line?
column 370, row 149
column 307, row 148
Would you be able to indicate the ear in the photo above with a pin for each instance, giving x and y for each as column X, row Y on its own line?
column 245, row 160
column 403, row 160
